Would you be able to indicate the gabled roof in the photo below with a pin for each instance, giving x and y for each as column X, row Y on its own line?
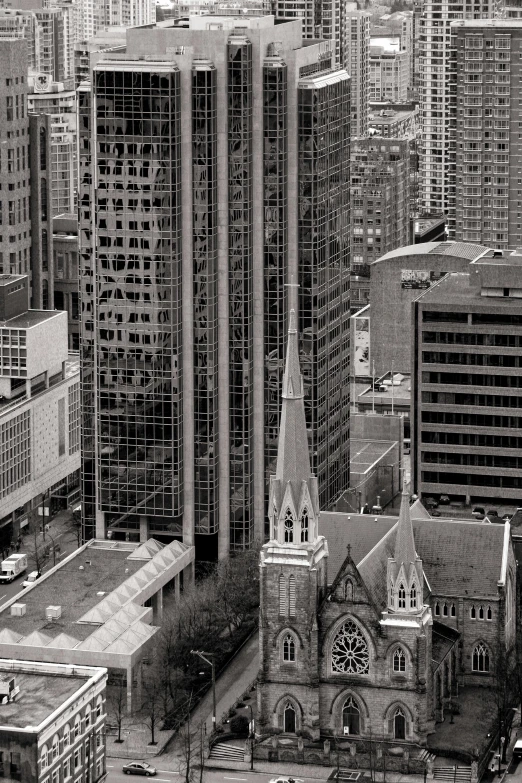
column 8, row 636
column 459, row 558
column 65, row 641
column 36, row 639
column 147, row 550
column 419, row 511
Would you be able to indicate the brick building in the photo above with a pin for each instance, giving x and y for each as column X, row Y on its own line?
column 376, row 640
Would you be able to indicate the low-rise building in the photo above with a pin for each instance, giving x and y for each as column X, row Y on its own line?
column 39, row 409
column 52, row 722
column 101, row 606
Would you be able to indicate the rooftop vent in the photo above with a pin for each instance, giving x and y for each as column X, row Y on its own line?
column 18, row 610
column 53, row 612
column 8, row 690
column 497, row 253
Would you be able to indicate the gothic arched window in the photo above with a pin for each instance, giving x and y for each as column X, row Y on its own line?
column 304, row 525
column 399, row 660
column 480, row 660
column 350, row 654
column 289, row 649
column 289, row 527
column 289, row 719
column 351, row 717
column 413, row 596
column 399, row 724
column 472, row 613
column 453, row 611
column 402, row 596
column 489, row 614
column 481, row 613
column 437, row 609
column 445, row 610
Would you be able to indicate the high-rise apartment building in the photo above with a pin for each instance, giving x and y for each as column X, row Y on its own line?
column 321, row 20
column 58, row 100
column 379, row 207
column 389, row 71
column 204, row 198
column 438, row 96
column 466, row 381
column 356, row 60
column 49, row 50
column 489, row 169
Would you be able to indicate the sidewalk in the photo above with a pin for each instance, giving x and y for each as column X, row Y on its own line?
column 230, row 686
column 61, row 532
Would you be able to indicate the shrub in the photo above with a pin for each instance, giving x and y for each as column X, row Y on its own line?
column 239, row 725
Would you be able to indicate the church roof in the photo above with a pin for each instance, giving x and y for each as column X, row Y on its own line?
column 459, row 558
column 443, row 638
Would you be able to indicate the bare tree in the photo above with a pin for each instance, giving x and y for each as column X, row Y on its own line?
column 152, row 706
column 117, row 706
column 37, row 552
column 192, row 746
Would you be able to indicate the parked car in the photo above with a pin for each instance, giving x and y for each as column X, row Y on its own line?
column 286, row 780
column 478, row 512
column 492, row 512
column 517, row 750
column 444, row 500
column 139, row 768
column 430, row 502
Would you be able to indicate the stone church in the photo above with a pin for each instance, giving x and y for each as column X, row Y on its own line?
column 369, row 626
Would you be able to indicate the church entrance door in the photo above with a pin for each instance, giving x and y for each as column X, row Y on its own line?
column 289, row 719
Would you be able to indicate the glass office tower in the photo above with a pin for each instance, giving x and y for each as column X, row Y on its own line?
column 199, row 203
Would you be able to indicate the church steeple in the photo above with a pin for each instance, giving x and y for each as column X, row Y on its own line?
column 405, row 574
column 294, row 500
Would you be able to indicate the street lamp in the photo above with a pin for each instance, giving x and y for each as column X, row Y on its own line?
column 252, row 733
column 211, row 663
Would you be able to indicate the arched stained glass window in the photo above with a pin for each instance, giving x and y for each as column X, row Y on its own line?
column 350, row 654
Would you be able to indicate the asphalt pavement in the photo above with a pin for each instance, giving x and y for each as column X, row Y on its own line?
column 115, row 775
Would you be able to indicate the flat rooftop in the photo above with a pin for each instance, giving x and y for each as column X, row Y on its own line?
column 30, row 318
column 76, row 591
column 455, row 289
column 6, row 279
column 40, row 695
column 401, row 390
column 364, row 454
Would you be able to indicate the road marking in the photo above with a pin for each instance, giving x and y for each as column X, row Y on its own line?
column 168, row 772
column 4, row 596
column 163, row 780
column 234, row 778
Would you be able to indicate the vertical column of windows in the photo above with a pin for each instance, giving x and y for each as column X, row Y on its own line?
column 240, row 99
column 204, row 227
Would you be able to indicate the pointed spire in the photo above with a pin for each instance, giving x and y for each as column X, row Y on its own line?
column 293, row 459
column 404, row 543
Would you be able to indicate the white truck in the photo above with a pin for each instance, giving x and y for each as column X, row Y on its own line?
column 13, row 566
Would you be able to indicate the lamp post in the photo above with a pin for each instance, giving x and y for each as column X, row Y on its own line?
column 212, row 665
column 252, row 733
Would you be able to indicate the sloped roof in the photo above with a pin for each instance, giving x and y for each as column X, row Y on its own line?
column 443, row 639
column 8, row 636
column 419, row 511
column 458, row 558
column 36, row 639
column 64, row 640
column 147, row 550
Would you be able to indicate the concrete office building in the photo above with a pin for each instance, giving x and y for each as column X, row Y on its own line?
column 39, row 409
column 52, row 722
column 489, row 175
column 438, row 102
column 66, row 277
column 184, row 302
column 379, row 207
column 389, row 71
column 467, row 376
column 356, row 60
column 88, row 52
column 58, row 100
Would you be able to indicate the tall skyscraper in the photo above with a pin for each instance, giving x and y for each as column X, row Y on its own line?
column 321, row 19
column 438, row 96
column 356, row 60
column 489, row 172
column 205, row 196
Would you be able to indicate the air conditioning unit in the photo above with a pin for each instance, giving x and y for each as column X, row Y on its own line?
column 53, row 612
column 18, row 610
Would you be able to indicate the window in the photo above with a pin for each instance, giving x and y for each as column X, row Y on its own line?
column 66, row 735
column 437, row 609
column 77, row 726
column 472, row 613
column 77, row 758
column 351, row 717
column 399, row 724
column 43, row 149
column 350, row 654
column 480, row 660
column 304, row 525
column 44, row 757
column 55, row 747
column 289, row 527
column 453, row 611
column 99, row 706
column 67, row 768
column 413, row 596
column 87, row 716
column 481, row 613
column 289, row 649
column 402, row 596
column 489, row 614
column 55, row 777
column 399, row 660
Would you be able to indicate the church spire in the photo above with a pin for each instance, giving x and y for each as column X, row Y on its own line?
column 294, row 503
column 405, row 573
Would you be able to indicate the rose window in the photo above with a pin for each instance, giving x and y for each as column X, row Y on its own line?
column 350, row 651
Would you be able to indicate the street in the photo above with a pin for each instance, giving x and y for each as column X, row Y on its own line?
column 115, row 775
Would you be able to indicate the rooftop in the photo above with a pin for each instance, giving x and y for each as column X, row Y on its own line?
column 40, row 695
column 458, row 249
column 401, row 390
column 364, row 454
column 6, row 279
column 30, row 318
column 454, row 289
